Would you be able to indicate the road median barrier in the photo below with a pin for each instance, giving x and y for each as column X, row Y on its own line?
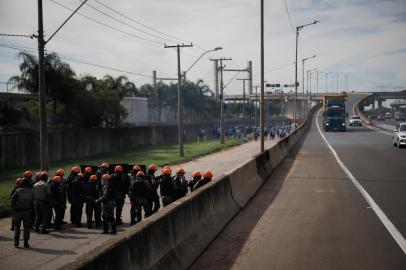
column 175, row 236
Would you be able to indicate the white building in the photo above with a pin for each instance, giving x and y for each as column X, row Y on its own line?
column 137, row 109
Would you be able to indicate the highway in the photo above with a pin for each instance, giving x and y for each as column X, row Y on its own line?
column 313, row 212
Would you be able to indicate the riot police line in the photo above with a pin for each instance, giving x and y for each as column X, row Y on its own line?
column 39, row 202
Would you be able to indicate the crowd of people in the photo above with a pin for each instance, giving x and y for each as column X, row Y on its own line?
column 39, row 202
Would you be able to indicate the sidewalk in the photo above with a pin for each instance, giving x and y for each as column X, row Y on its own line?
column 54, row 250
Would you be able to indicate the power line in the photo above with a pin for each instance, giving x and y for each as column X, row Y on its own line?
column 138, row 22
column 129, row 25
column 18, row 35
column 77, row 60
column 290, row 19
column 108, row 26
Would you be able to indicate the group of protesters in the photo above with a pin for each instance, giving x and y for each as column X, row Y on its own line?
column 39, row 202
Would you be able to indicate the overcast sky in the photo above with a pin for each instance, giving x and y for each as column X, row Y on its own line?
column 364, row 38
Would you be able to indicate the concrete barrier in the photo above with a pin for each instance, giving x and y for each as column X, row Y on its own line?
column 175, row 236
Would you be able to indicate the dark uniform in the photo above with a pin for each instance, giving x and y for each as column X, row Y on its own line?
column 42, row 203
column 201, row 182
column 140, row 197
column 168, row 192
column 154, row 182
column 76, row 198
column 91, row 194
column 193, row 182
column 58, row 198
column 181, row 186
column 21, row 204
column 120, row 186
column 108, row 203
column 12, row 191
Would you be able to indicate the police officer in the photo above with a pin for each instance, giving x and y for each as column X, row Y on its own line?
column 154, row 182
column 103, row 169
column 69, row 181
column 21, row 204
column 17, row 185
column 180, row 183
column 42, row 203
column 207, row 176
column 58, row 197
column 77, row 199
column 197, row 175
column 121, row 184
column 168, row 192
column 140, row 190
column 108, row 203
column 63, row 186
column 91, row 194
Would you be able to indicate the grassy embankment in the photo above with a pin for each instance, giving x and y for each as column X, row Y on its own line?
column 158, row 154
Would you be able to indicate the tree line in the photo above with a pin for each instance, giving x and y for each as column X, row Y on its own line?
column 84, row 101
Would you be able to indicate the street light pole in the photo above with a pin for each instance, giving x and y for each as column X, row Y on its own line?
column 206, row 52
column 303, row 65
column 298, row 28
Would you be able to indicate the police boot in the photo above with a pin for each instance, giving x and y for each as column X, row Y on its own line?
column 16, row 241
column 113, row 227
column 105, row 228
column 26, row 245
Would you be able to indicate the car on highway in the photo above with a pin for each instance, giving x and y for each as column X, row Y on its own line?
column 388, row 115
column 355, row 120
column 380, row 118
column 400, row 117
column 399, row 136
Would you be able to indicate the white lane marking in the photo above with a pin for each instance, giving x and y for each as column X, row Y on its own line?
column 397, row 236
column 371, row 127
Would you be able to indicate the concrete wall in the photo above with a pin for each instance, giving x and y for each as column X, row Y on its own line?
column 19, row 149
column 175, row 236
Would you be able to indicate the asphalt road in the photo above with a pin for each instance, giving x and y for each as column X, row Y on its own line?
column 309, row 215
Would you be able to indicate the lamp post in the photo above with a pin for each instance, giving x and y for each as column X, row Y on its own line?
column 310, row 72
column 203, row 54
column 298, row 28
column 303, row 64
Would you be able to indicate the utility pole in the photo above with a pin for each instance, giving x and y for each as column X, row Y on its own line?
column 221, row 68
column 180, row 105
column 43, row 133
column 250, row 77
column 317, row 84
column 262, row 118
column 243, row 95
column 216, row 77
column 154, row 85
column 255, row 107
column 326, row 82
column 337, row 81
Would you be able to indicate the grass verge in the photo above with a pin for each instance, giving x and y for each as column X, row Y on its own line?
column 157, row 154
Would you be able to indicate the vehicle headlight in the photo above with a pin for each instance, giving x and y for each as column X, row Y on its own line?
column 343, row 124
column 327, row 124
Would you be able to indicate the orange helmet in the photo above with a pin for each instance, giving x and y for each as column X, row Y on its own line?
column 60, row 172
column 106, row 176
column 197, row 174
column 28, row 174
column 140, row 173
column 93, row 177
column 166, row 171
column 207, row 174
column 81, row 175
column 19, row 181
column 105, row 165
column 118, row 169
column 88, row 170
column 75, row 169
column 180, row 171
column 57, row 178
column 152, row 167
column 137, row 168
